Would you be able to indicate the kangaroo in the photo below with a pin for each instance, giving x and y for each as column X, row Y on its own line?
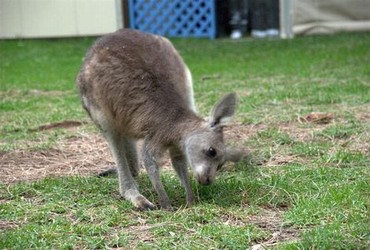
column 134, row 86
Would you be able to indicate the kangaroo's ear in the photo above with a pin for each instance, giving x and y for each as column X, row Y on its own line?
column 223, row 111
column 235, row 154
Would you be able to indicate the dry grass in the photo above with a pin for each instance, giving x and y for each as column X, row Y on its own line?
column 7, row 225
column 86, row 154
column 272, row 221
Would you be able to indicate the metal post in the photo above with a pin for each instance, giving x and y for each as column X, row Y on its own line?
column 286, row 28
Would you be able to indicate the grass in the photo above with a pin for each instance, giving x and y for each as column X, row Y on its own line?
column 306, row 180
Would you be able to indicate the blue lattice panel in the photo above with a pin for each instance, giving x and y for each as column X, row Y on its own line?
column 176, row 18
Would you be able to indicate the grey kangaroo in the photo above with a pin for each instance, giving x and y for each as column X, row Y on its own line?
column 136, row 86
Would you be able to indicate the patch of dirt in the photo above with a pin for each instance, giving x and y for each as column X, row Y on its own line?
column 233, row 220
column 358, row 144
column 63, row 124
column 239, row 133
column 83, row 155
column 141, row 231
column 278, row 160
column 299, row 133
column 271, row 220
column 7, row 225
column 317, row 117
column 361, row 112
column 88, row 154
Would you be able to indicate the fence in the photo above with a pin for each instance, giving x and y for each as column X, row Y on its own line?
column 175, row 18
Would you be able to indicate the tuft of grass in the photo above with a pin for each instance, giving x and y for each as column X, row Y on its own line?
column 334, row 236
column 277, row 137
column 345, row 158
column 341, row 131
column 311, row 149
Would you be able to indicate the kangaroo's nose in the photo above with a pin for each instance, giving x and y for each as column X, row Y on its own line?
column 204, row 180
column 208, row 181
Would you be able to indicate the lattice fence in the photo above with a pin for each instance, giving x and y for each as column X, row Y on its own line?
column 176, row 18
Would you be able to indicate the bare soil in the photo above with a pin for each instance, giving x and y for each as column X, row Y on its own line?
column 87, row 154
column 270, row 219
column 83, row 155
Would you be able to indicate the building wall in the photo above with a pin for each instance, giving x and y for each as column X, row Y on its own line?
column 58, row 18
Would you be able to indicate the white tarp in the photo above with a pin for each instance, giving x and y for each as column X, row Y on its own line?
column 329, row 16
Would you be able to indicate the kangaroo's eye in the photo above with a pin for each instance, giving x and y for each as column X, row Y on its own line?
column 211, row 152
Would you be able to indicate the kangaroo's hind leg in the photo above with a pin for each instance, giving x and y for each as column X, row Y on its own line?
column 131, row 156
column 127, row 185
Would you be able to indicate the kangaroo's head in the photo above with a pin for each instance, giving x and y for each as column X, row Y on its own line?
column 205, row 148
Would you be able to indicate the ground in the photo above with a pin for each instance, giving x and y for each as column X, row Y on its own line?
column 87, row 154
column 303, row 114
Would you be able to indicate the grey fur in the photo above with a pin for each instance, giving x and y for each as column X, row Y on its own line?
column 136, row 86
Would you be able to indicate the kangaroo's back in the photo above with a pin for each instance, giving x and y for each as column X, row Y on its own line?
column 137, row 81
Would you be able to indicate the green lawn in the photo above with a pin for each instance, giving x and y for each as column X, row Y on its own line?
column 304, row 186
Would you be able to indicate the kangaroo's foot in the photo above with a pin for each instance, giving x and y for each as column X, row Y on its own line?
column 138, row 200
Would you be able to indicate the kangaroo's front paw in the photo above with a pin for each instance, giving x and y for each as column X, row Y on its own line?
column 190, row 201
column 167, row 207
column 138, row 200
column 142, row 203
column 165, row 203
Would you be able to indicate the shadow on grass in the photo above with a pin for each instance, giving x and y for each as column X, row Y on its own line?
column 241, row 185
